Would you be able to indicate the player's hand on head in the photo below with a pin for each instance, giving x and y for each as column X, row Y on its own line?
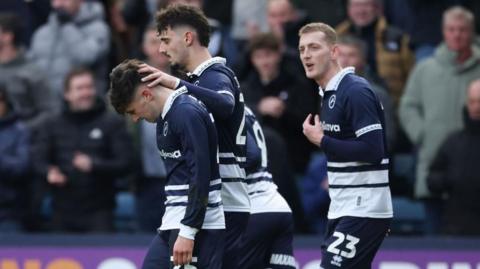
column 313, row 132
column 155, row 77
column 182, row 251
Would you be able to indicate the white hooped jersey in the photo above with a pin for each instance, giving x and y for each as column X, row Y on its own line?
column 351, row 110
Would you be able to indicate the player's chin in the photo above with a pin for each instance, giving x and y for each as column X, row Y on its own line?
column 310, row 74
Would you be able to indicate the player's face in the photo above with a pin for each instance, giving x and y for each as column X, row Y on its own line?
column 139, row 108
column 457, row 34
column 81, row 94
column 473, row 102
column 173, row 45
column 315, row 54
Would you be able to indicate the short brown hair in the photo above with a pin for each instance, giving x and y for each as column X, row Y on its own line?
column 75, row 73
column 124, row 80
column 264, row 41
column 330, row 34
column 184, row 15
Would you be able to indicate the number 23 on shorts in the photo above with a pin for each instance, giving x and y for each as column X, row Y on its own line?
column 350, row 246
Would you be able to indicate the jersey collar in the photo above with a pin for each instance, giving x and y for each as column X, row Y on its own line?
column 332, row 85
column 206, row 64
column 171, row 98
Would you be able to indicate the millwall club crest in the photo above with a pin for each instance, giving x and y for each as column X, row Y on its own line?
column 165, row 128
column 331, row 101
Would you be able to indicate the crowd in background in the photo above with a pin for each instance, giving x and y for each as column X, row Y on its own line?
column 65, row 157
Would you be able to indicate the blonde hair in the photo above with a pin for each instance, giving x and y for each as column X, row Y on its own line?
column 330, row 34
column 458, row 12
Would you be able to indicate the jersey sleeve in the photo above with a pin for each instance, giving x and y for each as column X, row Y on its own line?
column 195, row 137
column 361, row 111
column 217, row 93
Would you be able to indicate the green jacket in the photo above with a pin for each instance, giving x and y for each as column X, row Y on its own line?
column 431, row 107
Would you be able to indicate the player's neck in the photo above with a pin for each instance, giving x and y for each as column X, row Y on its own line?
column 161, row 98
column 197, row 56
column 328, row 75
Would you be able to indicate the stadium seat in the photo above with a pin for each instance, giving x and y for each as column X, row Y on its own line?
column 124, row 215
column 409, row 217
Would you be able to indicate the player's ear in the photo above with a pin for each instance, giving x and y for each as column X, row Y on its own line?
column 188, row 37
column 334, row 52
column 146, row 93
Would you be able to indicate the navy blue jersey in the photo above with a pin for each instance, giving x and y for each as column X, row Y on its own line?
column 264, row 197
column 187, row 141
column 354, row 143
column 217, row 87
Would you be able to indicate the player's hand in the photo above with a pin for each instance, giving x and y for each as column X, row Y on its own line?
column 157, row 77
column 55, row 176
column 182, row 251
column 82, row 162
column 313, row 132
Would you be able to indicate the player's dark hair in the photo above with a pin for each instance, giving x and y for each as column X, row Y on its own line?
column 183, row 15
column 124, row 80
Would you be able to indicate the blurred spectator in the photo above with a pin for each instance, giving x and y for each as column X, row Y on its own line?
column 130, row 19
column 352, row 52
column 455, row 170
column 315, row 196
column 33, row 14
column 26, row 84
column 388, row 53
column 74, row 36
column 285, row 20
column 219, row 10
column 150, row 185
column 422, row 20
column 14, row 164
column 80, row 153
column 280, row 99
column 222, row 12
column 331, row 12
column 249, row 19
column 431, row 107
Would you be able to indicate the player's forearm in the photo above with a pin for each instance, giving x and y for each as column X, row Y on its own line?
column 196, row 209
column 219, row 103
column 367, row 148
